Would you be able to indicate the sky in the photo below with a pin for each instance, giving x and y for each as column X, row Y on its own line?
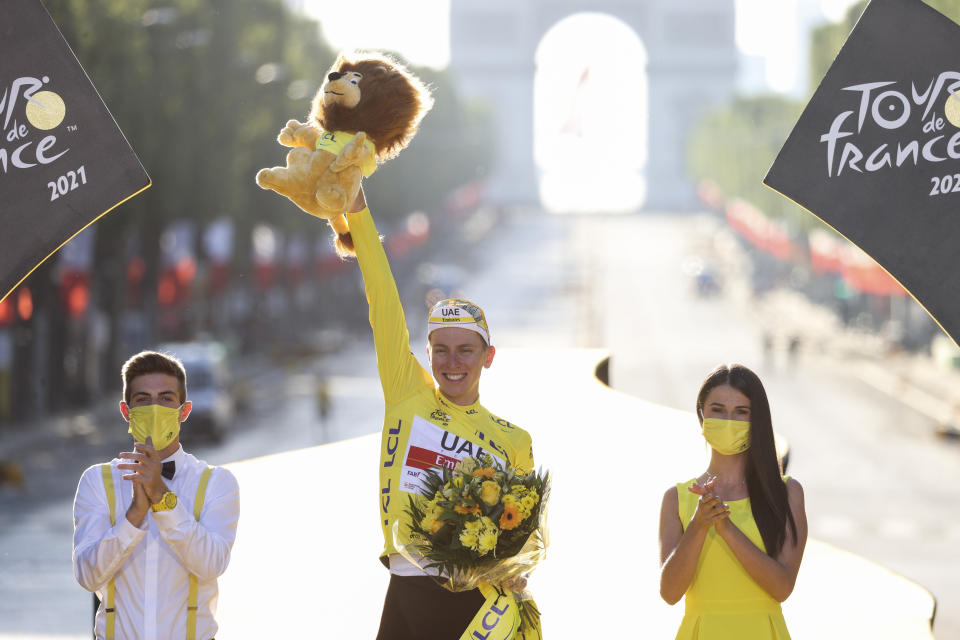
column 772, row 36
column 769, row 33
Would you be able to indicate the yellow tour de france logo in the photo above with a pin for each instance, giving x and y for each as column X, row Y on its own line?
column 952, row 109
column 46, row 110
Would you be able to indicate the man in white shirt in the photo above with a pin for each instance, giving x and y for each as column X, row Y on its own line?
column 153, row 552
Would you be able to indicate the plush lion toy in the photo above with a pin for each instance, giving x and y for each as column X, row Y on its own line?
column 366, row 112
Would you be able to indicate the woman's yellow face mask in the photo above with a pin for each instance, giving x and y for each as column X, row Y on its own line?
column 728, row 437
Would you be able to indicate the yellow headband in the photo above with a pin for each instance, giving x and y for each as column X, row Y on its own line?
column 456, row 312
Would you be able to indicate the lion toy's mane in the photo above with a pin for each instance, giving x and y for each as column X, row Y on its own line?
column 391, row 106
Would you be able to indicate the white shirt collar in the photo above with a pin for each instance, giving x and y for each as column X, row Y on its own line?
column 177, row 456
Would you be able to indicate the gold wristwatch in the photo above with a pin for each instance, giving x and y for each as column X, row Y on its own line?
column 167, row 502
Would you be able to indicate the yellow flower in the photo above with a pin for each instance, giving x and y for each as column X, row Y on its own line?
column 528, row 502
column 431, row 523
column 473, row 526
column 489, row 492
column 461, row 508
column 486, row 472
column 511, row 517
column 487, row 542
column 466, row 466
column 458, row 482
column 469, row 540
column 508, row 498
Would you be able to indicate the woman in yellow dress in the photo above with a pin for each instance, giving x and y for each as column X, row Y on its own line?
column 732, row 539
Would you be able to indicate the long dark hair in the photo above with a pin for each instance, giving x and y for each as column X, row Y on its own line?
column 768, row 492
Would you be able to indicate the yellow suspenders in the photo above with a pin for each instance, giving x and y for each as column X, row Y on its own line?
column 193, row 597
column 108, row 485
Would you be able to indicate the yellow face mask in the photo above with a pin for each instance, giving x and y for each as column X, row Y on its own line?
column 728, row 437
column 161, row 423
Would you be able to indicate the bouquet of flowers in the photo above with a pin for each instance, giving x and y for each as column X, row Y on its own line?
column 479, row 522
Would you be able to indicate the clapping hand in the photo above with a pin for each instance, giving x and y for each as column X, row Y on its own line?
column 706, row 488
column 711, row 510
column 146, row 470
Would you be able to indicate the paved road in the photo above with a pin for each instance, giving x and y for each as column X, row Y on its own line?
column 876, row 480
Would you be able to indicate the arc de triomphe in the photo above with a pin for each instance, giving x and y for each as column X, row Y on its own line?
column 691, row 65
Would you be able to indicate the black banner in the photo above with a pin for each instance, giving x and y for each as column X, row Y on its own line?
column 876, row 152
column 63, row 160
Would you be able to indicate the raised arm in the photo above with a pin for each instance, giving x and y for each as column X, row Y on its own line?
column 777, row 576
column 400, row 373
column 525, row 455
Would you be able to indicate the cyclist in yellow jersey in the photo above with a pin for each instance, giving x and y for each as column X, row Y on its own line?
column 731, row 540
column 432, row 418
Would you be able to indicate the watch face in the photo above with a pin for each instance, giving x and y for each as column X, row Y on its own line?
column 170, row 500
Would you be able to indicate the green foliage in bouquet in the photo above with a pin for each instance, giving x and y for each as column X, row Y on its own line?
column 475, row 514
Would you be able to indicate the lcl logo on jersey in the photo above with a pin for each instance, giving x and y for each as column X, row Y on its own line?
column 41, row 111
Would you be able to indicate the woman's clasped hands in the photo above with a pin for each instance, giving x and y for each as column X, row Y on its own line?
column 711, row 510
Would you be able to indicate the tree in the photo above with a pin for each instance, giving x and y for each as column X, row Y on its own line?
column 201, row 89
column 734, row 146
column 188, row 82
column 448, row 151
column 827, row 39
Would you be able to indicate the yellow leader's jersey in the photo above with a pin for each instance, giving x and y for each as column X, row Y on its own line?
column 421, row 428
